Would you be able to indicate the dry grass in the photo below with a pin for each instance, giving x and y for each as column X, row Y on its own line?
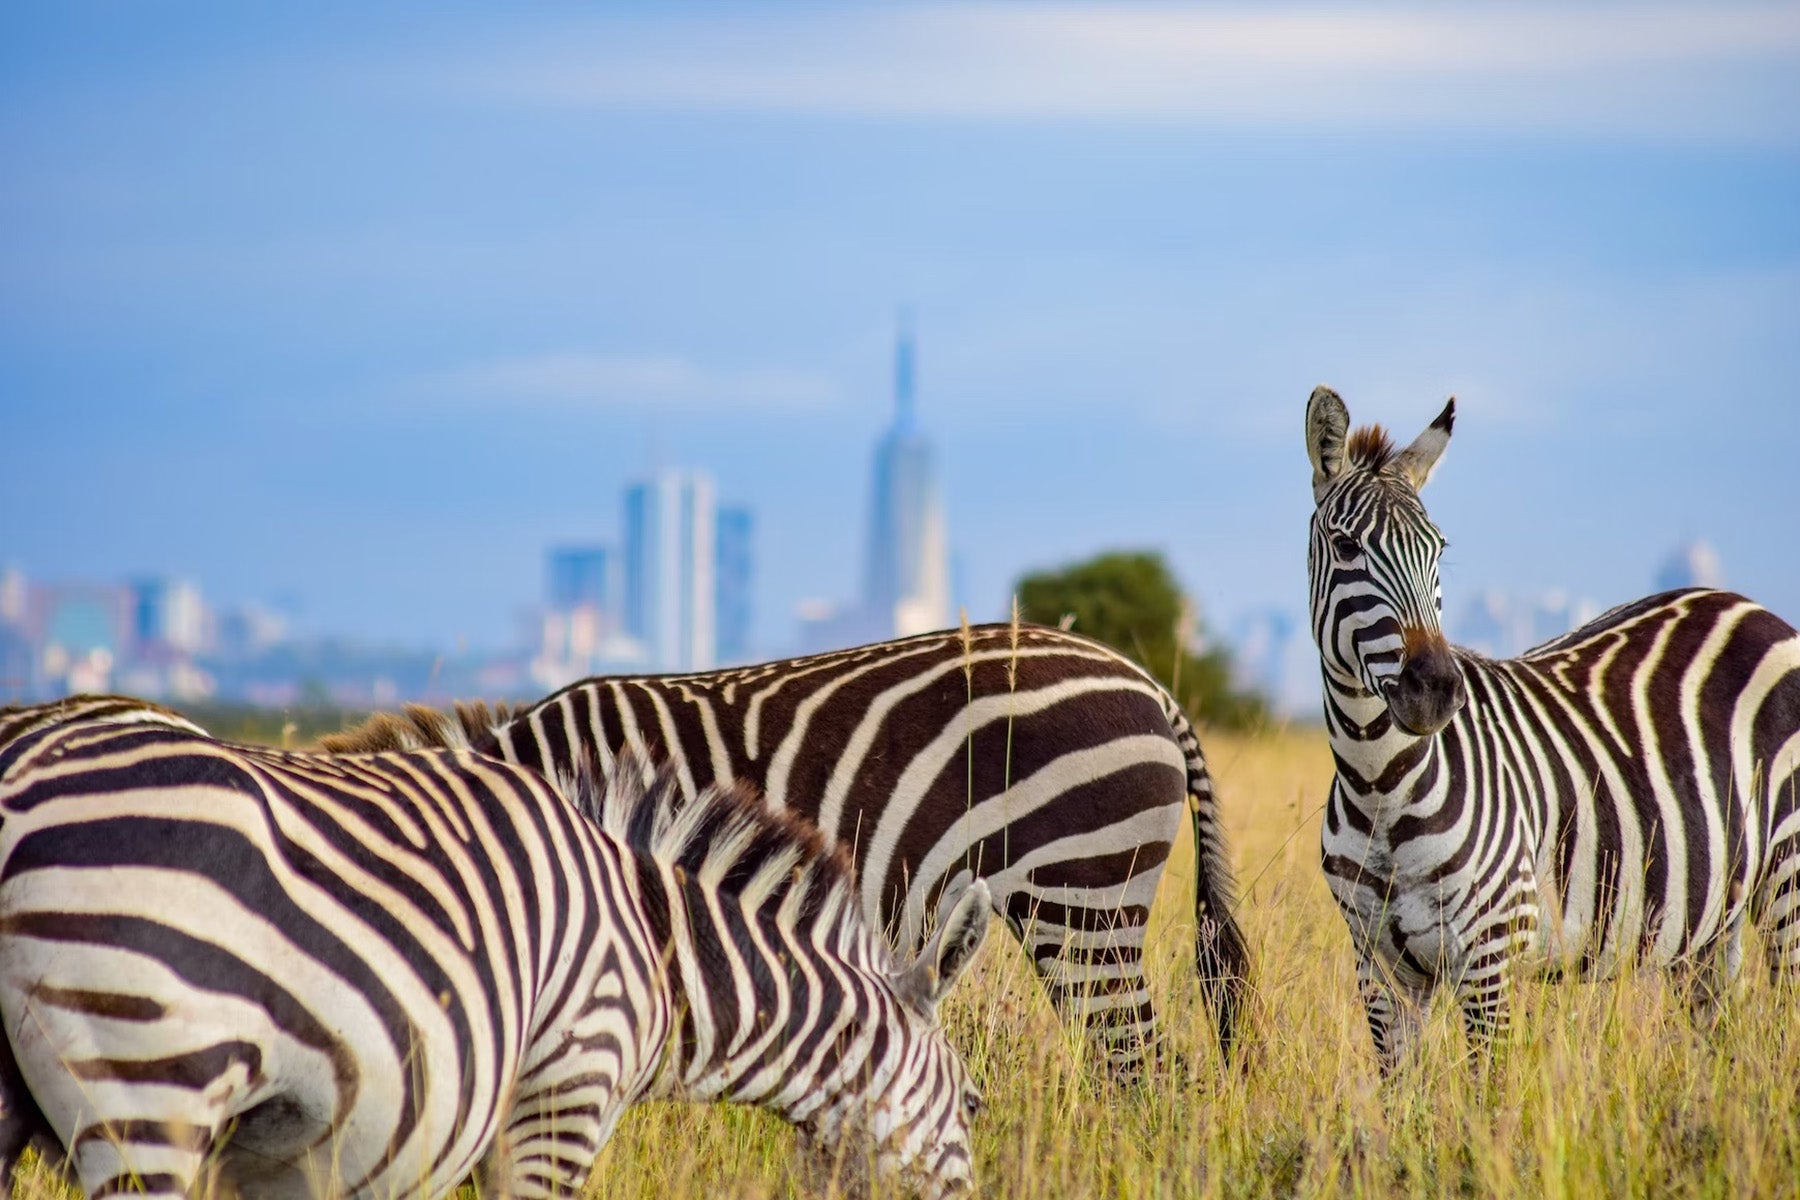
column 1604, row 1090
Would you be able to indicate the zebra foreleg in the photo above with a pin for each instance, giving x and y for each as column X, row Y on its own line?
column 1484, row 994
column 1706, row 979
column 1396, row 1014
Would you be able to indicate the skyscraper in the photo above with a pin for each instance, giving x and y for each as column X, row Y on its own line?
column 669, row 563
column 735, row 575
column 582, row 576
column 167, row 613
column 1691, row 564
column 906, row 583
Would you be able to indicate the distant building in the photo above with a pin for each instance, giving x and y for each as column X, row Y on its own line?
column 734, row 577
column 248, row 630
column 18, row 664
column 1692, row 564
column 12, row 597
column 1269, row 656
column 825, row 625
column 18, row 658
column 906, row 582
column 80, row 630
column 167, row 614
column 583, row 575
column 669, row 563
column 1501, row 625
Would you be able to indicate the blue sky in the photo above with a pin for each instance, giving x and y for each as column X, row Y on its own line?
column 365, row 310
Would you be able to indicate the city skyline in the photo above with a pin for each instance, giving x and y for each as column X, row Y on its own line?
column 354, row 323
column 247, row 653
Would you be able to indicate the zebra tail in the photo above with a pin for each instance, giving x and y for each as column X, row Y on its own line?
column 1221, row 956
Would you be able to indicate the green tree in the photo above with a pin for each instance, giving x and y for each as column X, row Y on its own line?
column 1131, row 601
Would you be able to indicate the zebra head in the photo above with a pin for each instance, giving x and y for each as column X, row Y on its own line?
column 901, row 1101
column 1373, row 562
column 790, row 997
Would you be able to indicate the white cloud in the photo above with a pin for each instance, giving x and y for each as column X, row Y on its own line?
column 1689, row 72
column 652, row 383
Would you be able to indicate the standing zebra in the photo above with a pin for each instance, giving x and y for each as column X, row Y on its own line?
column 375, row 974
column 1046, row 763
column 1627, row 792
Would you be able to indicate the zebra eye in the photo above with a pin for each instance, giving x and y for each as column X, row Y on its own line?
column 1345, row 546
column 973, row 1103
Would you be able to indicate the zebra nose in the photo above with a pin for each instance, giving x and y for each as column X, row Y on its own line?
column 1427, row 693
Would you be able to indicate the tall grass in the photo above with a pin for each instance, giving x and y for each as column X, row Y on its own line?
column 1604, row 1089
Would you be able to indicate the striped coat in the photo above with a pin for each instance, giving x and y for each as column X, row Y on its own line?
column 1044, row 762
column 1629, row 792
column 375, row 974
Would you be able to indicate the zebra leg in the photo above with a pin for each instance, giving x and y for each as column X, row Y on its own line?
column 21, row 1122
column 1396, row 1013
column 1091, row 963
column 1706, row 979
column 1484, row 993
column 124, row 1135
column 128, row 1154
column 548, row 1142
column 1778, row 913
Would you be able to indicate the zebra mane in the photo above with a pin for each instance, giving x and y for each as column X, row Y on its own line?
column 469, row 726
column 17, row 720
column 729, row 841
column 1370, row 447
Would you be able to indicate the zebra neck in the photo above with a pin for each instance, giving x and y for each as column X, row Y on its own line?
column 730, row 1025
column 1379, row 765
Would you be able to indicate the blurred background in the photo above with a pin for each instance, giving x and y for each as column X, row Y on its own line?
column 351, row 356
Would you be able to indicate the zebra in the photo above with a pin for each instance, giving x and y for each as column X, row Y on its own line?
column 1045, row 762
column 1626, row 793
column 378, row 974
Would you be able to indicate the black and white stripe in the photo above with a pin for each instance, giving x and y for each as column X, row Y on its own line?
column 1043, row 762
column 1627, row 793
column 375, row 974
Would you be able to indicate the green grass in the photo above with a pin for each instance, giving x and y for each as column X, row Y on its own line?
column 1604, row 1089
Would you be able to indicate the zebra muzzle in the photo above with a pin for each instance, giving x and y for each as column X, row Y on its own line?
column 1427, row 692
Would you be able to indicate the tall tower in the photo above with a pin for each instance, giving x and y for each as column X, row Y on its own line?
column 669, row 561
column 734, row 578
column 906, row 583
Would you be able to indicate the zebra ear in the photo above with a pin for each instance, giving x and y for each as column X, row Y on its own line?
column 950, row 949
column 1327, row 424
column 1418, row 460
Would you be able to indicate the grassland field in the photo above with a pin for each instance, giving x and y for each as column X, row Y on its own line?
column 1604, row 1089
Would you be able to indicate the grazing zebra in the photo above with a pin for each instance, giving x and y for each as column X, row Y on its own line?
column 1044, row 762
column 374, row 974
column 1629, row 792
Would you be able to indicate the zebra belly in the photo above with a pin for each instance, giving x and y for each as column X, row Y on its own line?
column 1107, row 864
column 1629, row 899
